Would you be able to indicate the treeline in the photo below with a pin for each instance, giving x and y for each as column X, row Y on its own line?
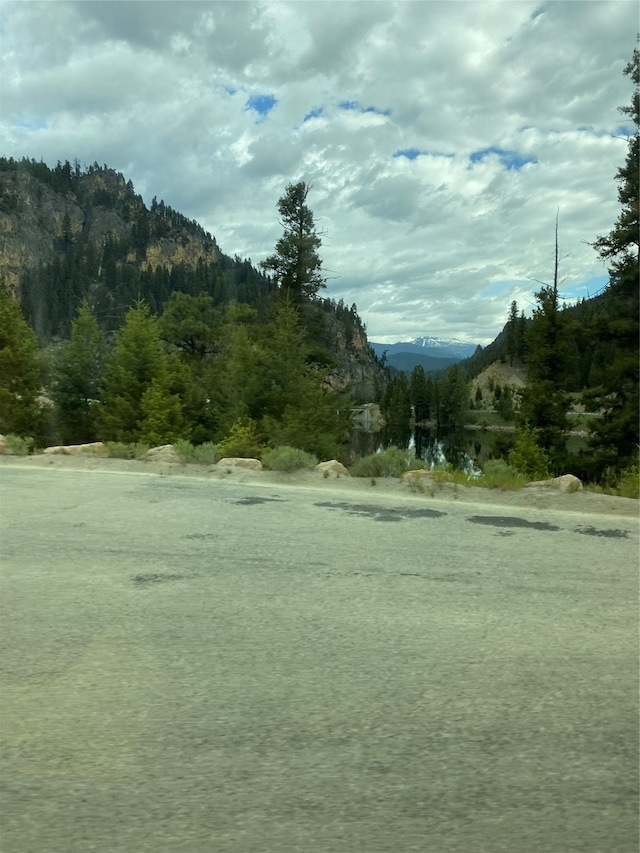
column 440, row 399
column 110, row 280
column 196, row 372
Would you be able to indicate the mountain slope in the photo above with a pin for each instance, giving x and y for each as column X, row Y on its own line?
column 433, row 354
column 71, row 237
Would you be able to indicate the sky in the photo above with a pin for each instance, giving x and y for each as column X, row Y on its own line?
column 440, row 139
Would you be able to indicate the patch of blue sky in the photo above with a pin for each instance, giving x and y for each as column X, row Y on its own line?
column 261, row 104
column 409, row 153
column 583, row 289
column 229, row 89
column 355, row 105
column 627, row 130
column 32, row 123
column 509, row 159
column 315, row 113
column 414, row 153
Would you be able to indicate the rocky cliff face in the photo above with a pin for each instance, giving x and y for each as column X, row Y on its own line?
column 36, row 219
column 31, row 220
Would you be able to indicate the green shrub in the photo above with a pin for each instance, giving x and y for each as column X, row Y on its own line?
column 528, row 457
column 288, row 459
column 243, row 441
column 498, row 474
column 198, row 454
column 18, row 445
column 392, row 462
column 123, row 450
column 623, row 485
column 628, row 486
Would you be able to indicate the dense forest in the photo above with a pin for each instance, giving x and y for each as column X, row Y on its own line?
column 131, row 325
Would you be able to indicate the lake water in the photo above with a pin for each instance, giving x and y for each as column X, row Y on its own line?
column 460, row 448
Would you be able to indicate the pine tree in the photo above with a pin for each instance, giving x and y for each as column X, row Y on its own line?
column 513, row 328
column 192, row 324
column 21, row 371
column 77, row 379
column 137, row 362
column 299, row 409
column 296, row 264
column 453, row 393
column 419, row 394
column 162, row 415
column 616, row 439
column 544, row 400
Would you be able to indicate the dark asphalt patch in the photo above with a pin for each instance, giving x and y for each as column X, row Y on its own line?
column 511, row 521
column 451, row 577
column 610, row 533
column 144, row 580
column 200, row 536
column 378, row 513
column 252, row 500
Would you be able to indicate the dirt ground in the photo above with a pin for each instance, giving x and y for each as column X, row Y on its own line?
column 538, row 497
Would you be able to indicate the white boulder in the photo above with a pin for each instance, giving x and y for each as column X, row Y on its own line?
column 94, row 448
column 333, row 467
column 164, row 453
column 240, row 462
column 565, row 483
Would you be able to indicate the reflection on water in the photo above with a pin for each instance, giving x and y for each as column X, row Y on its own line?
column 464, row 449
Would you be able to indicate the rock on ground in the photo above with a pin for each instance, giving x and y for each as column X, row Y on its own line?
column 333, row 467
column 95, row 448
column 241, row 462
column 566, row 483
column 164, row 453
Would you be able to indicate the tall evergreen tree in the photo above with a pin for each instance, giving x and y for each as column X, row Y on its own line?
column 298, row 408
column 453, row 393
column 420, row 394
column 77, row 378
column 21, row 371
column 544, row 400
column 514, row 347
column 296, row 264
column 616, row 439
column 138, row 363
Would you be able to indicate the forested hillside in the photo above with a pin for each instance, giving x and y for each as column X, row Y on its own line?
column 147, row 331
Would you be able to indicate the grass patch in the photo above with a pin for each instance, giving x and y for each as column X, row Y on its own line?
column 498, row 474
column 625, row 485
column 197, row 454
column 123, row 450
column 392, row 462
column 288, row 459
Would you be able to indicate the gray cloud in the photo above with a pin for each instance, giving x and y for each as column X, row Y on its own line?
column 439, row 244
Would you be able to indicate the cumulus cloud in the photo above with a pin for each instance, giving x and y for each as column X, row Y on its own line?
column 439, row 138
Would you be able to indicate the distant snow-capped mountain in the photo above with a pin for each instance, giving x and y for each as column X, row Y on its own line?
column 436, row 347
column 451, row 347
